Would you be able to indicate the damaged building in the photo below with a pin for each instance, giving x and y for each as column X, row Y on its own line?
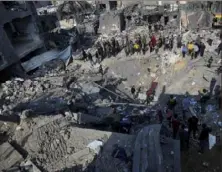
column 19, row 32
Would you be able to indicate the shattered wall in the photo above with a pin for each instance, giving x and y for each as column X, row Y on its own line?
column 110, row 21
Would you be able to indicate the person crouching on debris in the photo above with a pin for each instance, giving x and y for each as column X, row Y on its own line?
column 175, row 126
column 184, row 50
column 171, row 103
column 204, row 138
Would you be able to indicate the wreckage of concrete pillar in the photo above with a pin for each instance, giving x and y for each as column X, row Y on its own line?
column 110, row 22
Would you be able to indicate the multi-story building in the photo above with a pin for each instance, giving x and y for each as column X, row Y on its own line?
column 19, row 33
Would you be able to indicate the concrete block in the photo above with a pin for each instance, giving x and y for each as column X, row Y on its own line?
column 9, row 156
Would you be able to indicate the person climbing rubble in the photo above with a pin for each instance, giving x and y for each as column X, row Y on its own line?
column 193, row 126
column 204, row 138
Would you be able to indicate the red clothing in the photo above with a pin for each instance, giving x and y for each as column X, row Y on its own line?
column 175, row 124
column 153, row 40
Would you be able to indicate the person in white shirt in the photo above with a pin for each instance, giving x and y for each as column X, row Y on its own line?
column 196, row 50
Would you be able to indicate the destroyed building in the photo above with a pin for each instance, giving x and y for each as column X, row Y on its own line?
column 19, row 32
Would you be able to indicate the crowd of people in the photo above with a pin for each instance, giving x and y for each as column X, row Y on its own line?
column 186, row 128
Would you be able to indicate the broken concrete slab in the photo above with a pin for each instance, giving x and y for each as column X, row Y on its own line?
column 9, row 156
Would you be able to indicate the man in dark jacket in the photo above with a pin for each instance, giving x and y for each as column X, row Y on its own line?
column 175, row 126
column 202, row 49
column 204, row 138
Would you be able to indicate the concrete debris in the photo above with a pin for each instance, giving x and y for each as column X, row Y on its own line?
column 9, row 156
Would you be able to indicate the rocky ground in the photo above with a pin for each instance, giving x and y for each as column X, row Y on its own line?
column 57, row 102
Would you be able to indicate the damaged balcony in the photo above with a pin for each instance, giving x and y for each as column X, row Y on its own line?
column 23, row 36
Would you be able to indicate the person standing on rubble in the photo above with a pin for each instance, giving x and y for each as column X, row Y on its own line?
column 202, row 49
column 171, row 103
column 210, row 62
column 190, row 47
column 171, row 42
column 196, row 50
column 166, row 43
column 184, row 50
column 179, row 41
column 184, row 138
column 113, row 44
column 193, row 126
column 133, row 91
column 175, row 126
column 204, row 138
column 84, row 55
column 131, row 47
column 136, row 48
column 204, row 98
column 144, row 44
column 101, row 71
column 90, row 58
column 117, row 47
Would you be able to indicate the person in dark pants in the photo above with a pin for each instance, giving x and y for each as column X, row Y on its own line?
column 175, row 126
column 119, row 153
column 184, row 50
column 179, row 39
column 210, row 62
column 171, row 103
column 202, row 49
column 84, row 55
column 184, row 138
column 193, row 126
column 160, row 116
column 204, row 138
column 90, row 58
column 133, row 91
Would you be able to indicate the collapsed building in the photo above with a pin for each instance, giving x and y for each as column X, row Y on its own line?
column 19, row 32
column 70, row 116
